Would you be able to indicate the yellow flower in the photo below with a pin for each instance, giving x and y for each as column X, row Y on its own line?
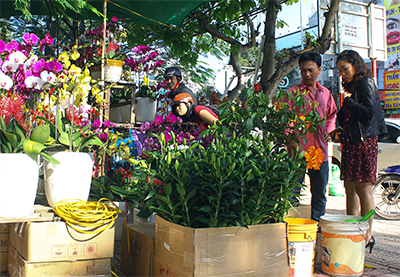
column 74, row 70
column 314, row 158
column 63, row 57
column 75, row 55
column 146, row 80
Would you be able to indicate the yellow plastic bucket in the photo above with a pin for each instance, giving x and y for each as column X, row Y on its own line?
column 342, row 245
column 302, row 238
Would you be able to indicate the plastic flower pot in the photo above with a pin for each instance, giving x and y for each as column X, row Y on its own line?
column 70, row 179
column 19, row 176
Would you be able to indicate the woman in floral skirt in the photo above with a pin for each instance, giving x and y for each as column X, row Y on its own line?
column 361, row 119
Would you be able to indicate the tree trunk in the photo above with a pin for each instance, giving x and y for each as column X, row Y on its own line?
column 275, row 69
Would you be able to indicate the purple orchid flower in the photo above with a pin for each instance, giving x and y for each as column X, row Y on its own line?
column 30, row 39
column 2, row 46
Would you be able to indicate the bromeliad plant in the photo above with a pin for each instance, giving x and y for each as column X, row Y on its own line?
column 245, row 176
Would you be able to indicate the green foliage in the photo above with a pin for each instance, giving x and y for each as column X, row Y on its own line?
column 243, row 177
column 14, row 139
column 66, row 136
column 146, row 91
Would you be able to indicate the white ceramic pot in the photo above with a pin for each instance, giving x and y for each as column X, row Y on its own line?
column 145, row 109
column 70, row 179
column 19, row 176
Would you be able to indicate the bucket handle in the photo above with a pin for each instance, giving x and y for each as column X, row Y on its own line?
column 311, row 240
column 364, row 234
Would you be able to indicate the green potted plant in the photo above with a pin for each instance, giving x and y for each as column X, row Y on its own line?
column 244, row 177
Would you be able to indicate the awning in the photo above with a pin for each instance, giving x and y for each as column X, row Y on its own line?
column 138, row 11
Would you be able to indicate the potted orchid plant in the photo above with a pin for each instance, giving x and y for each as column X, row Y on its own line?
column 23, row 77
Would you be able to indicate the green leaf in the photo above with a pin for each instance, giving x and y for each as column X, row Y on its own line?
column 168, row 189
column 41, row 133
column 249, row 124
column 190, row 195
column 151, row 194
column 181, row 190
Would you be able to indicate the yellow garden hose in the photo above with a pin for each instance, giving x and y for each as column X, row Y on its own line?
column 88, row 217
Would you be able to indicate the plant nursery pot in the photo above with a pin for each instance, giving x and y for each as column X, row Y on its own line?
column 120, row 113
column 113, row 70
column 145, row 109
column 19, row 176
column 70, row 179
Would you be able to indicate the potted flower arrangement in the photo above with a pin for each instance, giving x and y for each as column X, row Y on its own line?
column 22, row 79
column 69, row 117
column 241, row 180
column 116, row 47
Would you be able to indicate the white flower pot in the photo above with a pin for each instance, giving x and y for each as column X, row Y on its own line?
column 19, row 176
column 70, row 179
column 145, row 109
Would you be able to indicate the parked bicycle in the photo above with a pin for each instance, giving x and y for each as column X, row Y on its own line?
column 386, row 193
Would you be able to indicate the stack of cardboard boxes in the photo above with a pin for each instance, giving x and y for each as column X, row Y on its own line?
column 54, row 249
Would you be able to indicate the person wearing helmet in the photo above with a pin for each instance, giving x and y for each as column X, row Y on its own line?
column 173, row 80
column 184, row 107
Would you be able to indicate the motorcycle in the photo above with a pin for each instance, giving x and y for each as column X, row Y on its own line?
column 386, row 193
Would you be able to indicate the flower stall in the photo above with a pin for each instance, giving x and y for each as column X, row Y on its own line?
column 214, row 191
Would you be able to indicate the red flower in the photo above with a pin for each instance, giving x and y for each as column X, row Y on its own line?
column 13, row 106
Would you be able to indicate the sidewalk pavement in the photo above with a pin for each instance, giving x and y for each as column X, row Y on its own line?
column 384, row 261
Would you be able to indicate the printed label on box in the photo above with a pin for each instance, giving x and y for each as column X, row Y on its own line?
column 4, row 246
column 91, row 249
column 74, row 250
column 58, row 250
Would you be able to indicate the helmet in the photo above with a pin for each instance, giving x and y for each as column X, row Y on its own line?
column 171, row 71
column 182, row 98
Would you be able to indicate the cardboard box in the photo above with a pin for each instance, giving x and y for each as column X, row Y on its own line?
column 54, row 241
column 18, row 267
column 260, row 250
column 139, row 238
column 3, row 246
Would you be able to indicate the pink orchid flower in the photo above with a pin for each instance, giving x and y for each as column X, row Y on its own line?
column 30, row 39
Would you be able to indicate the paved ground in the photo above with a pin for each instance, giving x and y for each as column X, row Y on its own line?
column 385, row 258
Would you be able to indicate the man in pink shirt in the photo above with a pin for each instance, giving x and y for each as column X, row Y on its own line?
column 310, row 68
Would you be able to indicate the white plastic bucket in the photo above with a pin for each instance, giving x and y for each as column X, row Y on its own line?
column 343, row 245
column 145, row 109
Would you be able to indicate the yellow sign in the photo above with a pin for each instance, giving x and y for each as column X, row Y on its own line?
column 392, row 89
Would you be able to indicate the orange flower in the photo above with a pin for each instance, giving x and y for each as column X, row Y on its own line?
column 314, row 158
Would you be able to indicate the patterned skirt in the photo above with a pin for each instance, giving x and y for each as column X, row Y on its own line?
column 359, row 161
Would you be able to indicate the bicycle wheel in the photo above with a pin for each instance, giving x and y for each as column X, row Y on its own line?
column 386, row 206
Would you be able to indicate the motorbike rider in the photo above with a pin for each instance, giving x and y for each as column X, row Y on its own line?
column 173, row 79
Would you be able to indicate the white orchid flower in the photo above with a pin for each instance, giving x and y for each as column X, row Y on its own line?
column 48, row 77
column 29, row 62
column 9, row 66
column 17, row 57
column 5, row 81
column 34, row 82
